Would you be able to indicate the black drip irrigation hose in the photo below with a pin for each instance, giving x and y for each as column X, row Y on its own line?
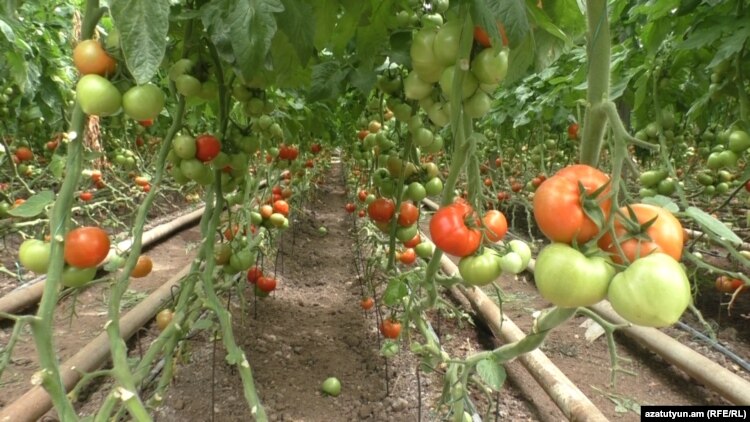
column 716, row 345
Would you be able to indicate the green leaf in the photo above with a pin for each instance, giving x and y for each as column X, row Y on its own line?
column 57, row 166
column 363, row 79
column 543, row 21
column 654, row 34
column 373, row 37
column 243, row 31
column 325, row 15
column 400, row 48
column 520, row 59
column 33, row 206
column 297, row 21
column 347, row 24
column 512, row 14
column 143, row 26
column 731, row 45
column 394, row 292
column 711, row 225
column 7, row 31
column 389, row 349
column 326, row 81
column 492, row 373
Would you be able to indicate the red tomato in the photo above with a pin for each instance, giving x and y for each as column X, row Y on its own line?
column 86, row 196
column 390, row 328
column 282, row 207
column 367, row 303
column 408, row 214
column 253, row 274
column 362, row 195
column 362, row 134
column 89, row 57
column 86, row 247
column 573, row 131
column 416, row 240
column 450, row 232
column 141, row 181
column 361, row 213
column 408, row 256
column 350, row 208
column 381, row 210
column 24, row 154
column 266, row 284
column 656, row 230
column 207, row 147
column 495, row 225
column 726, row 284
column 96, row 175
column 557, row 204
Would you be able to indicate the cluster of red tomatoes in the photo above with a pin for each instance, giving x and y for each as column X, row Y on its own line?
column 458, row 230
column 263, row 285
column 633, row 263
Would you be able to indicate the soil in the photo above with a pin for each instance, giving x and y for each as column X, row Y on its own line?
column 312, row 327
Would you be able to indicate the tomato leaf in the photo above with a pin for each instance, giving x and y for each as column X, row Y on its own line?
column 297, row 23
column 33, row 206
column 711, row 224
column 492, row 373
column 143, row 26
column 57, row 166
column 389, row 349
column 394, row 292
column 326, row 81
column 242, row 31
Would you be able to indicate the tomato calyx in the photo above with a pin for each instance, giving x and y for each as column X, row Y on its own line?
column 591, row 204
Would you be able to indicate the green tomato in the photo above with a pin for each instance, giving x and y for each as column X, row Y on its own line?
column 652, row 178
column 653, row 291
column 416, row 192
column 425, row 249
column 490, row 66
column 331, row 386
column 97, row 96
column 184, row 146
column 422, row 137
column 568, row 279
column 512, row 263
column 188, row 85
column 405, row 234
column 256, row 218
column 34, row 255
column 479, row 270
column 434, row 187
column 143, row 102
column 77, row 277
column 242, row 259
column 415, row 88
column 522, row 249
column 446, row 43
column 667, row 187
column 739, row 141
column 478, row 104
column 468, row 87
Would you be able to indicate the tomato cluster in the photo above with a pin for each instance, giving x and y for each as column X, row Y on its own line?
column 634, row 263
